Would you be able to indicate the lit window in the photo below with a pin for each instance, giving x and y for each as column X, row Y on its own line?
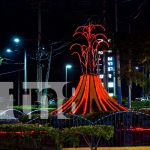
column 110, row 84
column 110, row 75
column 110, row 69
column 109, row 51
column 111, row 94
column 101, row 76
column 109, row 40
column 110, row 63
column 110, row 58
column 100, row 52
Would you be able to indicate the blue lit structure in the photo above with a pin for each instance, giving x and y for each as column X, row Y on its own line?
column 106, row 71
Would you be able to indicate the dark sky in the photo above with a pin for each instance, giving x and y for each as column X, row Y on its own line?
column 59, row 20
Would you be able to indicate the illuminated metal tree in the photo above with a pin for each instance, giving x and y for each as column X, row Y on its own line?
column 89, row 51
column 90, row 94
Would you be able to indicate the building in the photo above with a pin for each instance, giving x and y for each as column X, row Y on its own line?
column 106, row 70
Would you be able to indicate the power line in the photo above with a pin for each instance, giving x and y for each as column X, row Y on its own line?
column 136, row 12
column 12, row 63
column 11, row 72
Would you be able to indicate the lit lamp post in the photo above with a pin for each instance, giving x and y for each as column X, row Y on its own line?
column 16, row 41
column 67, row 67
column 8, row 50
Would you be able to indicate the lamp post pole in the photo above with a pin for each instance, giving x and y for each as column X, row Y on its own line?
column 66, row 82
column 67, row 67
column 25, row 71
column 17, row 42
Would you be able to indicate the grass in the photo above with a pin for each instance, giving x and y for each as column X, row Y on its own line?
column 32, row 107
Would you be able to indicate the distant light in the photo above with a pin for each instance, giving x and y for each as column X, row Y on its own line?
column 110, row 84
column 110, row 58
column 110, row 63
column 111, row 94
column 109, row 40
column 100, row 40
column 100, row 52
column 16, row 40
column 110, row 76
column 109, row 51
column 43, row 48
column 68, row 66
column 137, row 68
column 110, row 69
column 101, row 76
column 8, row 50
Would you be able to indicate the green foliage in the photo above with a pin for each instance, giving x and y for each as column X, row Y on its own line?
column 125, row 101
column 134, row 51
column 29, row 130
column 147, row 103
column 70, row 135
column 135, row 76
column 22, row 127
column 94, row 132
column 52, row 106
column 140, row 104
column 33, row 132
column 34, row 107
column 24, row 118
column 96, row 115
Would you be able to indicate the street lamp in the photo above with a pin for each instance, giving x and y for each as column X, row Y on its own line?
column 16, row 40
column 67, row 67
column 137, row 68
column 8, row 50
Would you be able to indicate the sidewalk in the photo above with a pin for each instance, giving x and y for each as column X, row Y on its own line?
column 113, row 148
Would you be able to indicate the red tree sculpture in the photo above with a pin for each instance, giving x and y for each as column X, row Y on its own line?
column 90, row 95
column 89, row 50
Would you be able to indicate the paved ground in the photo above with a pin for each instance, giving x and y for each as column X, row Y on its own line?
column 114, row 148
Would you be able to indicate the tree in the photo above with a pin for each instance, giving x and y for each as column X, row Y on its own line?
column 134, row 53
column 91, row 134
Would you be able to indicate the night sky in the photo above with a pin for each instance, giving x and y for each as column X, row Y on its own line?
column 60, row 18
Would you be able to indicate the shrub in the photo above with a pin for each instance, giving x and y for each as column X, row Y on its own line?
column 89, row 134
column 71, row 135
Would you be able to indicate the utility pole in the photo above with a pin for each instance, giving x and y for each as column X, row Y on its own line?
column 47, row 73
column 19, row 85
column 39, row 52
column 130, row 80
column 129, row 85
column 38, row 6
column 105, row 57
column 118, row 82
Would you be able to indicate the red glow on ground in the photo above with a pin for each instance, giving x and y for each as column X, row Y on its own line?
column 21, row 132
column 137, row 129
